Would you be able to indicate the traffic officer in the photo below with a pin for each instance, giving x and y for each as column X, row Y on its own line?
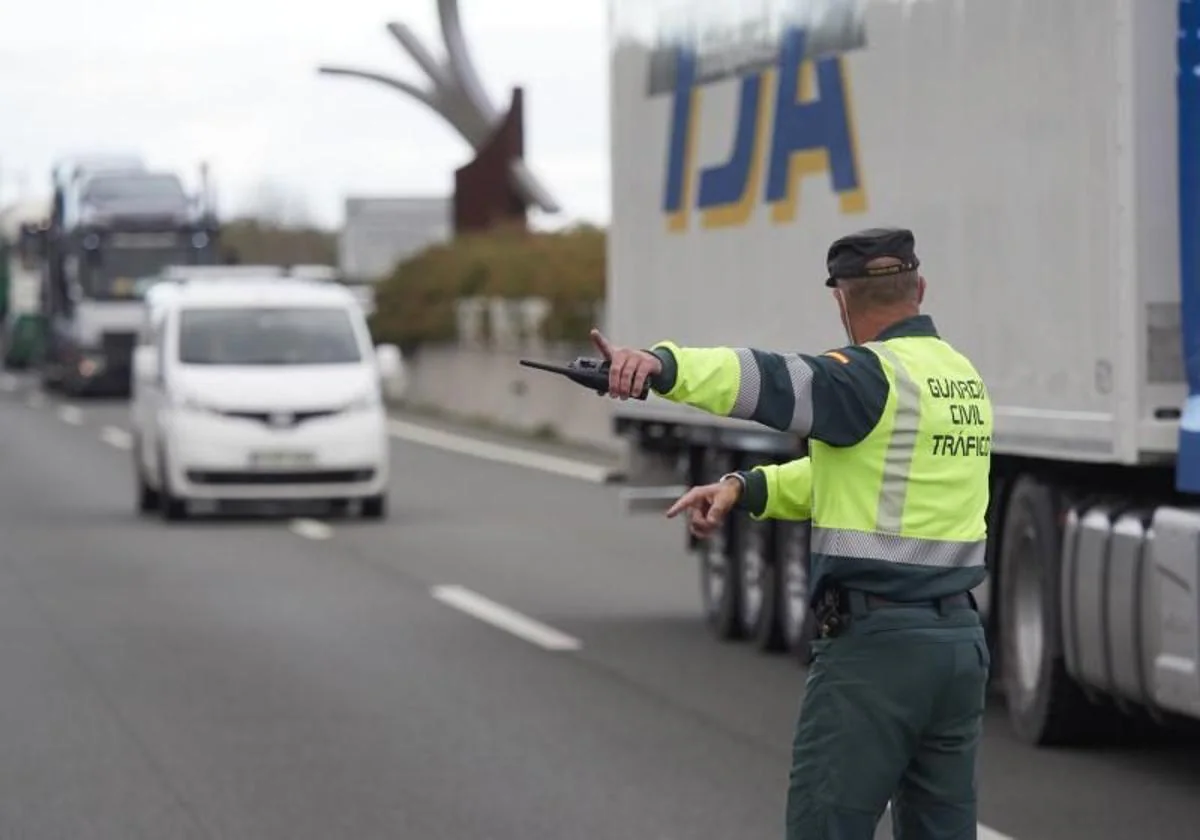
column 899, row 426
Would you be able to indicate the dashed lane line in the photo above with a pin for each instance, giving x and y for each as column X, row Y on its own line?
column 116, row 438
column 500, row 453
column 982, row 832
column 71, row 415
column 310, row 529
column 504, row 618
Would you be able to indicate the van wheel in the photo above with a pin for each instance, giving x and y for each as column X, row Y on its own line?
column 148, row 497
column 173, row 508
column 375, row 507
column 1045, row 706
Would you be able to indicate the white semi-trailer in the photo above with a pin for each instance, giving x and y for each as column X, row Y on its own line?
column 1047, row 156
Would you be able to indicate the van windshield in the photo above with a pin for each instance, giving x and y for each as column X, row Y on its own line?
column 268, row 336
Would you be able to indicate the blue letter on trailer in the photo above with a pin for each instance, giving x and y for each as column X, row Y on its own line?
column 793, row 121
column 1187, row 467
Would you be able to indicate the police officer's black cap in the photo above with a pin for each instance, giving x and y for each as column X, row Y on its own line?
column 848, row 256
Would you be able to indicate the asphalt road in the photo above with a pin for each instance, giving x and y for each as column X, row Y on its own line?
column 291, row 678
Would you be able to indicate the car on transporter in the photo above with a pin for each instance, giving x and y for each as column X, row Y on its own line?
column 258, row 388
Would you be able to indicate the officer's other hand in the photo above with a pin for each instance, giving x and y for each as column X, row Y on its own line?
column 628, row 370
column 707, row 506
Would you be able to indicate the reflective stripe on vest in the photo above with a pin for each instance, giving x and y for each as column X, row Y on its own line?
column 915, row 551
column 897, row 463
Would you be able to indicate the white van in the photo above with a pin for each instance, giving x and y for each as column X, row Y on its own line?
column 266, row 388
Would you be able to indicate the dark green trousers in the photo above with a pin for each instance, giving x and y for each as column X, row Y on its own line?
column 893, row 710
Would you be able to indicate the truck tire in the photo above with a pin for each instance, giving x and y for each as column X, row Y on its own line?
column 798, row 625
column 758, row 580
column 720, row 592
column 1045, row 706
column 47, row 381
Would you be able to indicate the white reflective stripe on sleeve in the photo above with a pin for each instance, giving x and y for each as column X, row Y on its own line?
column 897, row 462
column 750, row 391
column 892, row 548
column 802, row 377
column 749, row 384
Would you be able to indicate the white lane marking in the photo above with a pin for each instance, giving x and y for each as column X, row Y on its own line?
column 504, row 618
column 986, row 833
column 71, row 414
column 35, row 400
column 488, row 451
column 117, row 438
column 310, row 529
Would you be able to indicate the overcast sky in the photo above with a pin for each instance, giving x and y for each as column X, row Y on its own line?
column 233, row 82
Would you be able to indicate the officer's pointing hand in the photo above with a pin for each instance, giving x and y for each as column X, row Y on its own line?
column 707, row 506
column 628, row 370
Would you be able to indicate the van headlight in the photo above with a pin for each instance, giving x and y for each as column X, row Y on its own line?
column 192, row 405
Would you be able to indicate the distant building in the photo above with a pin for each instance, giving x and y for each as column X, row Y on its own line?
column 378, row 233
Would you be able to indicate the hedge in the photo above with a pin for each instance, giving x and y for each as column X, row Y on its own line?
column 417, row 302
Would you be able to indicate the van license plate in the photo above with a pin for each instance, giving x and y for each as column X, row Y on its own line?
column 281, row 459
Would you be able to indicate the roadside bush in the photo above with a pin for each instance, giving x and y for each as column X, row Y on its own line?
column 416, row 303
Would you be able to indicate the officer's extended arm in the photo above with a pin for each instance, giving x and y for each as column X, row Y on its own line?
column 778, row 491
column 837, row 397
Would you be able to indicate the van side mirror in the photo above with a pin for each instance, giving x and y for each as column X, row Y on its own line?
column 145, row 363
column 391, row 370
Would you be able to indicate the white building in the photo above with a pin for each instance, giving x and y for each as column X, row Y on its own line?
column 378, row 233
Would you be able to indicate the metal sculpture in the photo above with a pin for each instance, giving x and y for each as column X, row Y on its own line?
column 456, row 94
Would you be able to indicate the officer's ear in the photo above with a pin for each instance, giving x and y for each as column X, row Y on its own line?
column 844, row 313
column 920, row 290
column 839, row 297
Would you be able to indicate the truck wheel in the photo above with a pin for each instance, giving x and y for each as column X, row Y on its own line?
column 47, row 381
column 796, row 619
column 720, row 593
column 71, row 386
column 718, row 583
column 759, row 583
column 1044, row 705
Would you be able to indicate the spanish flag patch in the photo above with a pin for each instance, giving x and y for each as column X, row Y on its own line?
column 841, row 357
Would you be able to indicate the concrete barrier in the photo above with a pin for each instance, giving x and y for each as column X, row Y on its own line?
column 487, row 384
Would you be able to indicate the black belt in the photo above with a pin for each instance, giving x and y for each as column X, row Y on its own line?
column 834, row 609
column 957, row 601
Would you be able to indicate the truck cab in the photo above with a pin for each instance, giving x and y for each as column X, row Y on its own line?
column 114, row 221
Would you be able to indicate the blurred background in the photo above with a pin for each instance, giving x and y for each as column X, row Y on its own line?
column 499, row 647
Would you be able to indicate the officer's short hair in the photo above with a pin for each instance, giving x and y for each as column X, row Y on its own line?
column 882, row 290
